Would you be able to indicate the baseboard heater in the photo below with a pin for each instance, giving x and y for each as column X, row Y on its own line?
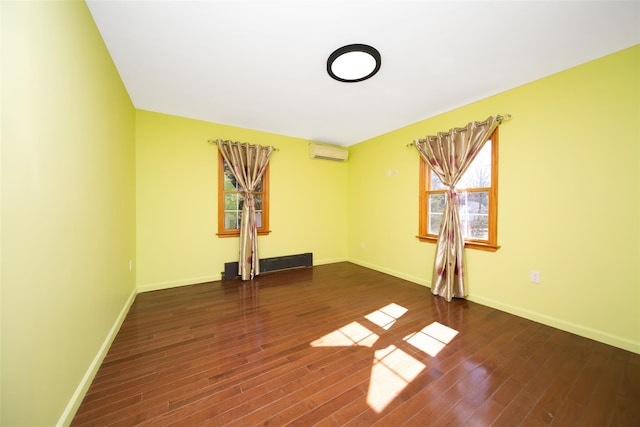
column 271, row 264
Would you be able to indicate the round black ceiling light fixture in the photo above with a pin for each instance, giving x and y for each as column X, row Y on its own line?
column 353, row 63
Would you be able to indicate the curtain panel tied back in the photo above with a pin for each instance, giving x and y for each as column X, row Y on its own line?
column 247, row 163
column 449, row 155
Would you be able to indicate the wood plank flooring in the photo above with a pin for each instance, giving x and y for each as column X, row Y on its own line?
column 342, row 345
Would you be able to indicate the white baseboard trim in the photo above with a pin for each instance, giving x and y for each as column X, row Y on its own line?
column 329, row 261
column 418, row 280
column 75, row 401
column 564, row 325
column 177, row 283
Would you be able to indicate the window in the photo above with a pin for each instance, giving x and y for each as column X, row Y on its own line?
column 231, row 200
column 478, row 196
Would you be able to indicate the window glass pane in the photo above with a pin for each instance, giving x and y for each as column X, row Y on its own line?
column 231, row 220
column 436, row 184
column 229, row 180
column 436, row 209
column 474, row 214
column 473, row 211
column 232, row 210
column 232, row 201
column 479, row 173
column 259, row 186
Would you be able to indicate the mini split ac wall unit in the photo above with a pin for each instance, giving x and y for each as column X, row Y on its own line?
column 328, row 152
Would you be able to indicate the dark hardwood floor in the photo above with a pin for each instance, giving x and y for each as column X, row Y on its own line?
column 342, row 345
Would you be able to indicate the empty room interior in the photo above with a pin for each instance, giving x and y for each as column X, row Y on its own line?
column 113, row 114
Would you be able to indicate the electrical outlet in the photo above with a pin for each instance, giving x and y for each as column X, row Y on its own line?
column 535, row 276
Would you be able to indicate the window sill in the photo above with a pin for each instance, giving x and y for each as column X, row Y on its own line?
column 226, row 234
column 467, row 244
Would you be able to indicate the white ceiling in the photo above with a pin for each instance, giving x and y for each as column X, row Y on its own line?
column 262, row 64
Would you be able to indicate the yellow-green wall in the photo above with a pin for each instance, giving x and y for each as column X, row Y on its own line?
column 68, row 208
column 569, row 201
column 177, row 219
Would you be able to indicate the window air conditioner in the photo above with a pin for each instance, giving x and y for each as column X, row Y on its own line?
column 328, row 152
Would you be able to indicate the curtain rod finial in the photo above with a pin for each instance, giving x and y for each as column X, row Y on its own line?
column 504, row 117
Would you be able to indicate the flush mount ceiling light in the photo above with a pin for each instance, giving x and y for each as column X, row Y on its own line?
column 353, row 63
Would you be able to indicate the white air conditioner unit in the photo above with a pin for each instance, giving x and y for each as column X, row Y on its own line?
column 328, row 152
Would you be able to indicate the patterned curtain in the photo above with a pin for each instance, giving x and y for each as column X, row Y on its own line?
column 247, row 163
column 449, row 154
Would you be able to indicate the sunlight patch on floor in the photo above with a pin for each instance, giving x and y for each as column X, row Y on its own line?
column 386, row 316
column 432, row 338
column 392, row 368
column 392, row 371
column 352, row 334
